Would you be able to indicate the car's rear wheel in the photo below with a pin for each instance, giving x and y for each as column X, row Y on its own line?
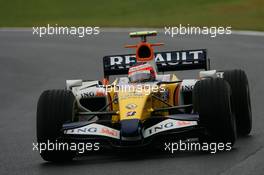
column 212, row 100
column 241, row 99
column 55, row 107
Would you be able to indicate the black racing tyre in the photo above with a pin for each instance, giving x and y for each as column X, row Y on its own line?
column 212, row 100
column 241, row 99
column 55, row 107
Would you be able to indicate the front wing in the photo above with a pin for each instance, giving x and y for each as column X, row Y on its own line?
column 179, row 126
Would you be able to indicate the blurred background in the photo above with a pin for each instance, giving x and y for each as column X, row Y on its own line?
column 240, row 14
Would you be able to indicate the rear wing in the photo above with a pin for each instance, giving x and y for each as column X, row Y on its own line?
column 165, row 61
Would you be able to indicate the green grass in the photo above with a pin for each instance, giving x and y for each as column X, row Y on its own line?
column 240, row 14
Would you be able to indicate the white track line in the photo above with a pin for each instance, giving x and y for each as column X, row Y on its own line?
column 15, row 29
column 245, row 32
column 234, row 32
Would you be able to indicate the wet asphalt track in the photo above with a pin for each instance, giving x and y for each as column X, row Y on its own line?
column 29, row 65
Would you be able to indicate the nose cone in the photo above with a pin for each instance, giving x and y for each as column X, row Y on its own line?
column 131, row 114
column 133, row 111
column 131, row 129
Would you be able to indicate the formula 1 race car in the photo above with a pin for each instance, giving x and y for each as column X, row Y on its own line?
column 146, row 106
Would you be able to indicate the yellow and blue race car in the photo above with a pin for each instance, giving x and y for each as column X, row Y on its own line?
column 146, row 106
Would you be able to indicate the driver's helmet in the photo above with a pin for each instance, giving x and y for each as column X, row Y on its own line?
column 141, row 73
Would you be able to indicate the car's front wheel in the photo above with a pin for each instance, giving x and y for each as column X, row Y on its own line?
column 212, row 100
column 55, row 107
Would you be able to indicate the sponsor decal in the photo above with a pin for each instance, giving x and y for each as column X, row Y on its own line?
column 130, row 113
column 187, row 88
column 131, row 106
column 93, row 93
column 100, row 93
column 162, row 58
column 109, row 132
column 167, row 125
column 132, row 95
column 95, row 129
column 165, row 95
column 188, row 85
column 88, row 94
